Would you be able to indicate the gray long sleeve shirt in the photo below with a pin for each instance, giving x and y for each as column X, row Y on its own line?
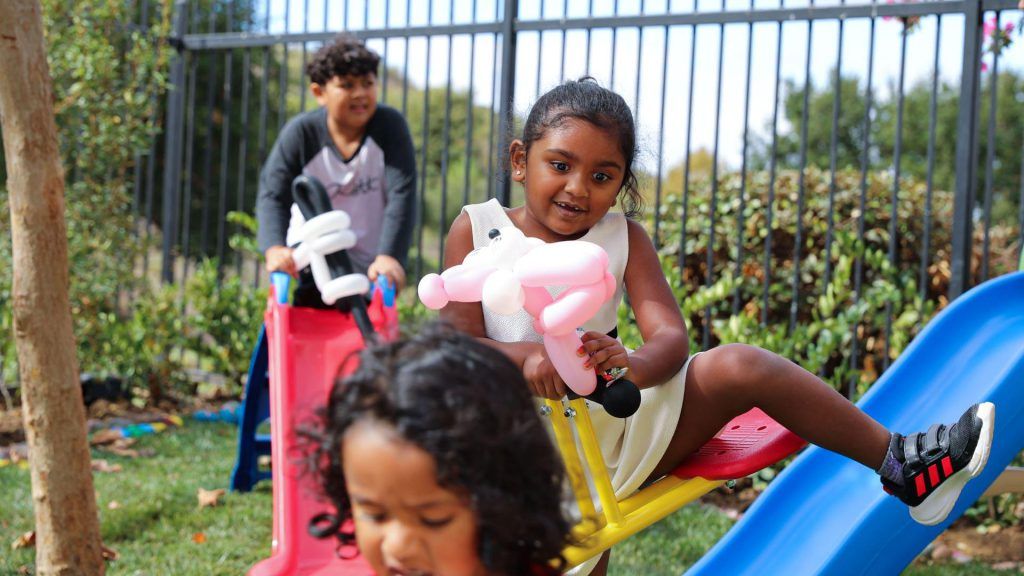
column 376, row 186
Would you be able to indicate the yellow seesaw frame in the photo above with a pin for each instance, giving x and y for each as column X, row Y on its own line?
column 617, row 520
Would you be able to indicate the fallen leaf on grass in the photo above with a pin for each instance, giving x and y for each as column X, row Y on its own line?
column 24, row 570
column 113, row 505
column 109, row 554
column 26, row 540
column 199, row 537
column 104, row 466
column 209, row 497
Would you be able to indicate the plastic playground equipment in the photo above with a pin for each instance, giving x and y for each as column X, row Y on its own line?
column 296, row 361
column 825, row 514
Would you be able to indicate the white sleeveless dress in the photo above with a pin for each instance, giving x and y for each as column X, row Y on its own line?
column 632, row 446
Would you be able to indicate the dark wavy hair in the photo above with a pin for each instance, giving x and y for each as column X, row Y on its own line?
column 585, row 99
column 466, row 405
column 346, row 55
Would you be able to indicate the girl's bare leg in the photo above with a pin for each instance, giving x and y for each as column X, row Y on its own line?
column 727, row 381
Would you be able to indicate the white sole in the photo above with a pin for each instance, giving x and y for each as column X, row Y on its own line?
column 940, row 503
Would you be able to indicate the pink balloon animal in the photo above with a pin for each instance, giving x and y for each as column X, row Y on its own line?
column 513, row 272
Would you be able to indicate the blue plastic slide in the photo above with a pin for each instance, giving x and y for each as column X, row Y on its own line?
column 828, row 515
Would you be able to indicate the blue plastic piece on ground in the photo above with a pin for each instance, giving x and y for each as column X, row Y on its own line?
column 826, row 514
column 254, row 411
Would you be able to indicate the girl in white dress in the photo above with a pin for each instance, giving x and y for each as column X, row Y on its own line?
column 575, row 162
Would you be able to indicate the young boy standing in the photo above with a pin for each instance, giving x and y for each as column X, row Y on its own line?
column 362, row 153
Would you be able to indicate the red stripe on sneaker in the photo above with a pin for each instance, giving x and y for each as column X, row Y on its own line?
column 919, row 484
column 947, row 467
column 933, row 474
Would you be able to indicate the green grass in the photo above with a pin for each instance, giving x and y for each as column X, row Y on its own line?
column 153, row 528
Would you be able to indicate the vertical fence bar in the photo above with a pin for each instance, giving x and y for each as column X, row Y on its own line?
column 615, row 37
column 282, row 93
column 469, row 114
column 540, row 53
column 243, row 148
column 689, row 134
column 405, row 63
column 966, row 151
column 895, row 196
column 990, row 156
column 713, row 208
column 801, row 194
column 561, row 66
column 305, row 54
column 172, row 143
column 740, row 216
column 445, row 154
column 772, row 165
column 639, row 61
column 586, row 46
column 833, row 155
column 491, row 136
column 425, row 134
column 858, row 273
column 661, row 142
column 387, row 43
column 508, row 79
column 225, row 151
column 932, row 118
column 261, row 153
column 190, row 126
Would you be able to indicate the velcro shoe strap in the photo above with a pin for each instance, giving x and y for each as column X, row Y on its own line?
column 910, row 453
column 932, row 446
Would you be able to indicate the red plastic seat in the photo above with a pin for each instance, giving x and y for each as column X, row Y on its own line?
column 748, row 443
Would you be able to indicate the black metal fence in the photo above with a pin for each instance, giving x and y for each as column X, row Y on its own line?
column 758, row 118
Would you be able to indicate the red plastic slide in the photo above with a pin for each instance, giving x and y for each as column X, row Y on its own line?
column 306, row 349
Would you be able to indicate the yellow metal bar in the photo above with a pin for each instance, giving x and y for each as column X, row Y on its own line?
column 641, row 510
column 595, row 461
column 573, row 464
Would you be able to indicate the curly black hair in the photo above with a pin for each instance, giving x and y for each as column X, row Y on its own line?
column 466, row 405
column 585, row 99
column 346, row 55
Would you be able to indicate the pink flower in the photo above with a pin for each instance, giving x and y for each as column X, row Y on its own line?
column 984, row 67
column 990, row 27
column 1008, row 27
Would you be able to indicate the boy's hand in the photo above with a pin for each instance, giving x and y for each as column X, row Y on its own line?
column 605, row 352
column 279, row 259
column 389, row 267
column 541, row 375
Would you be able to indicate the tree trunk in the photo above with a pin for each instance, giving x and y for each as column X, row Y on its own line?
column 67, row 525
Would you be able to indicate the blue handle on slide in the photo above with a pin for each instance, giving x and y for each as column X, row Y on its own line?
column 387, row 290
column 280, row 281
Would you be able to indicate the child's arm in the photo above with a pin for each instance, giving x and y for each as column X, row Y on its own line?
column 274, row 198
column 392, row 133
column 666, row 345
column 469, row 318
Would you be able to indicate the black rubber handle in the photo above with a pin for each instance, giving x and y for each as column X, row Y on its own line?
column 311, row 198
column 621, row 399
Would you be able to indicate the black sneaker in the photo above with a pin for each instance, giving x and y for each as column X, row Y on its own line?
column 938, row 463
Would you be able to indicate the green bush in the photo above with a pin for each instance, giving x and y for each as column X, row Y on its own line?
column 830, row 320
column 106, row 81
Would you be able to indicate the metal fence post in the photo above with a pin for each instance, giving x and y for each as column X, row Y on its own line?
column 966, row 151
column 172, row 142
column 508, row 85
